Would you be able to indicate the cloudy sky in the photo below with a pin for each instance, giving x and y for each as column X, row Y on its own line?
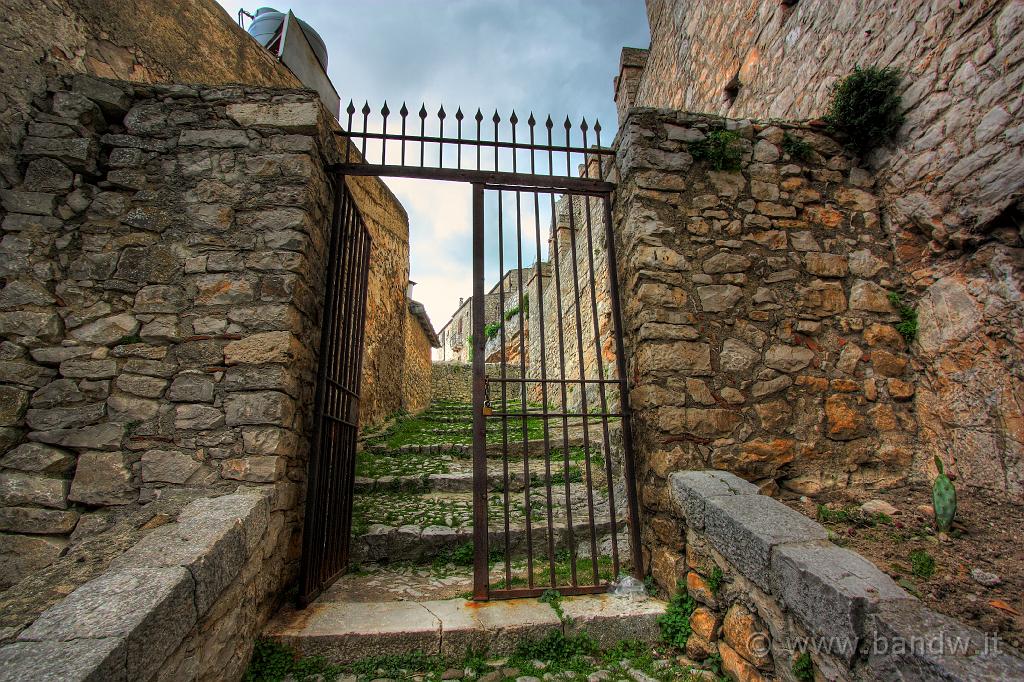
column 553, row 57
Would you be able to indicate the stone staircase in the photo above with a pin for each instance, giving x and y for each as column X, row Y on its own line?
column 412, row 544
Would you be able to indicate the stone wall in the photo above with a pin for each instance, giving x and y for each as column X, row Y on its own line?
column 192, row 41
column 950, row 189
column 453, row 381
column 417, row 373
column 759, row 334
column 163, row 263
column 769, row 587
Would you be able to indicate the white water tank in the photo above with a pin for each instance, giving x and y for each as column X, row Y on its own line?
column 266, row 28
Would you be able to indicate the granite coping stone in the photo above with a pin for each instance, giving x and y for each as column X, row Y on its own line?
column 746, row 528
column 81, row 660
column 691, row 490
column 150, row 609
column 911, row 642
column 831, row 590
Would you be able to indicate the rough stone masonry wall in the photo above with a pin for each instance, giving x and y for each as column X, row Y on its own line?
column 769, row 586
column 951, row 189
column 418, row 368
column 759, row 333
column 163, row 263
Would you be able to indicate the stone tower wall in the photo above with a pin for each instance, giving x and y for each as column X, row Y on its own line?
column 950, row 189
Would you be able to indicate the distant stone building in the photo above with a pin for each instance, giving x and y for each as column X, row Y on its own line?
column 455, row 336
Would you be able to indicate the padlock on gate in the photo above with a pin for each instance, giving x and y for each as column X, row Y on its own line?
column 488, row 409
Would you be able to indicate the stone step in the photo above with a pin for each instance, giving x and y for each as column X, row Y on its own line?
column 417, row 544
column 343, row 632
column 459, row 478
column 495, row 447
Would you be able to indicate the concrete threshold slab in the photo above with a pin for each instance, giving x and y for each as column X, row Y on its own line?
column 343, row 632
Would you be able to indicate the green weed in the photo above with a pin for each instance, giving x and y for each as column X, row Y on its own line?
column 720, row 150
column 866, row 106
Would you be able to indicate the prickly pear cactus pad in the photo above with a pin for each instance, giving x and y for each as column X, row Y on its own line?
column 943, row 499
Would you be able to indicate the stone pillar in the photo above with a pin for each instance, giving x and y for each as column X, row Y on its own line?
column 627, row 83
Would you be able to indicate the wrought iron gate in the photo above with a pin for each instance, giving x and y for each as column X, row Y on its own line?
column 331, row 474
column 551, row 421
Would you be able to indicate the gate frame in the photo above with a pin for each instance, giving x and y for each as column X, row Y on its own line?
column 355, row 163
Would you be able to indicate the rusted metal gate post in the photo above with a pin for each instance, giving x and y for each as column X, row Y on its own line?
column 331, row 474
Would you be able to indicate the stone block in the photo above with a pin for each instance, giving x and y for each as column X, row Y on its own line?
column 13, row 402
column 141, row 385
column 259, row 407
column 87, row 368
column 156, row 264
column 103, row 478
column 111, row 100
column 736, row 667
column 38, row 458
column 65, row 417
column 197, row 417
column 268, row 347
column 48, row 175
column 159, row 298
column 37, row 521
column 746, row 529
column 217, row 138
column 825, row 264
column 17, row 488
column 84, row 660
column 690, row 491
column 99, row 437
column 32, row 203
column 46, row 327
column 123, row 408
column 295, row 117
column 167, row 466
column 716, row 298
column 23, row 555
column 270, row 440
column 912, row 642
column 869, row 297
column 743, row 631
column 213, row 551
column 191, row 388
column 831, row 590
column 249, row 509
column 255, row 469
column 788, row 358
column 77, row 152
column 150, row 609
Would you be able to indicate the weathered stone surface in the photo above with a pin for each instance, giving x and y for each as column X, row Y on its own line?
column 868, row 296
column 46, row 327
column 788, row 358
column 268, row 347
column 887, row 364
column 24, row 293
column 831, row 589
column 938, row 655
column 863, row 263
column 159, row 298
column 844, row 421
column 825, row 264
column 37, row 521
column 155, row 264
column 736, row 667
column 261, row 407
column 690, row 491
column 38, row 458
column 167, row 466
column 17, row 488
column 25, row 373
column 219, row 138
column 13, row 403
column 81, row 659
column 84, row 368
column 296, row 117
column 746, row 528
column 269, row 440
column 726, row 262
column 48, row 175
column 223, row 290
column 103, row 478
column 140, row 385
column 255, row 469
column 65, row 417
column 123, row 408
column 188, row 388
column 737, row 356
column 821, row 298
column 32, row 203
column 704, row 622
column 150, row 609
column 199, row 417
column 742, row 631
column 716, row 298
column 22, row 555
column 761, row 389
column 99, row 437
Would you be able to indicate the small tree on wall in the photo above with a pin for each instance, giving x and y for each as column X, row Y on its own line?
column 866, row 107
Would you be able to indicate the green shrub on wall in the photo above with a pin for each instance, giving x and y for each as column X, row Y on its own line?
column 866, row 107
column 719, row 149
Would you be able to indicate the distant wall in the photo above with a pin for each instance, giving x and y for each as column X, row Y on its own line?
column 418, row 371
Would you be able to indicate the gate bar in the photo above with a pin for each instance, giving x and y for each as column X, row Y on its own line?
column 480, row 520
column 523, row 181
